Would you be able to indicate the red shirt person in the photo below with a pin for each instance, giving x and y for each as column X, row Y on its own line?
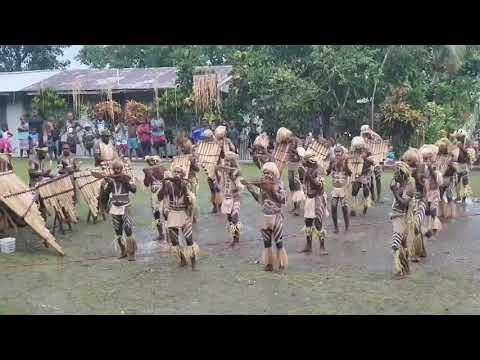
column 145, row 137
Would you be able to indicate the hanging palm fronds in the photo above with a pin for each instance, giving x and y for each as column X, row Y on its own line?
column 135, row 112
column 110, row 109
column 205, row 93
column 76, row 102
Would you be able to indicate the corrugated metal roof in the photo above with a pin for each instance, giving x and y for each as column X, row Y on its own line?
column 92, row 80
column 16, row 81
column 115, row 79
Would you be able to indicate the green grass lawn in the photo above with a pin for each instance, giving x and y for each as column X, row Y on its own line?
column 353, row 279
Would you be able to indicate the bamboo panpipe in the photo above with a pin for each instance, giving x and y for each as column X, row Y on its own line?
column 208, row 156
column 280, row 155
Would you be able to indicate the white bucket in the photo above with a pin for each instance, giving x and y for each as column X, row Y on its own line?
column 7, row 245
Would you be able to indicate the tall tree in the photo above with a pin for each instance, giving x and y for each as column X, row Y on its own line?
column 31, row 57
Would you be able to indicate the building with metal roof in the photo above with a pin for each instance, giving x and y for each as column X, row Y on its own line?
column 18, row 88
column 11, row 82
column 117, row 80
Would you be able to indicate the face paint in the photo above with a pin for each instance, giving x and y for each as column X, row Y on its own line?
column 117, row 170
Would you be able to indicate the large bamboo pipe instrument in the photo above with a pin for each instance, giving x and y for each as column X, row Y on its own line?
column 89, row 187
column 21, row 200
column 57, row 195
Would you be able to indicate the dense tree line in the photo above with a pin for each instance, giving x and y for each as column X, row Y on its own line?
column 408, row 92
column 31, row 57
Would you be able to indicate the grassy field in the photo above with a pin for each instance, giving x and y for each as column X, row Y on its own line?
column 354, row 278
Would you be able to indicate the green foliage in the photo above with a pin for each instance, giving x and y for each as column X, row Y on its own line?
column 440, row 118
column 175, row 107
column 49, row 103
column 31, row 57
column 289, row 85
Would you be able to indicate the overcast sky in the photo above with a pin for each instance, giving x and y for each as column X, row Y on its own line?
column 70, row 53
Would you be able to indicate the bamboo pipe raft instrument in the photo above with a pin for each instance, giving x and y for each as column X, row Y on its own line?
column 57, row 195
column 89, row 186
column 21, row 200
column 208, row 153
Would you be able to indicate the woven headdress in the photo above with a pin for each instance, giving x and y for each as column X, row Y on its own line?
column 271, row 167
column 283, row 134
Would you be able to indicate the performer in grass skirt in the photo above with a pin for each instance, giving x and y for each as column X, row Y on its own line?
column 368, row 134
column 315, row 202
column 448, row 184
column 214, row 191
column 228, row 179
column 119, row 186
column 179, row 217
column 340, row 171
column 362, row 182
column 153, row 180
column 294, row 166
column 272, row 196
column 186, row 147
column 419, row 204
column 464, row 156
column 433, row 180
column 403, row 188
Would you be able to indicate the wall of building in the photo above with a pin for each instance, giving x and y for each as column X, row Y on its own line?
column 3, row 110
column 14, row 109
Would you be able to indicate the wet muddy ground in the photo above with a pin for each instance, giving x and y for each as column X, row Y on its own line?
column 355, row 278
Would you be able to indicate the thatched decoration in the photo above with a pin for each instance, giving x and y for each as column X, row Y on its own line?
column 205, row 93
column 110, row 109
column 135, row 112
